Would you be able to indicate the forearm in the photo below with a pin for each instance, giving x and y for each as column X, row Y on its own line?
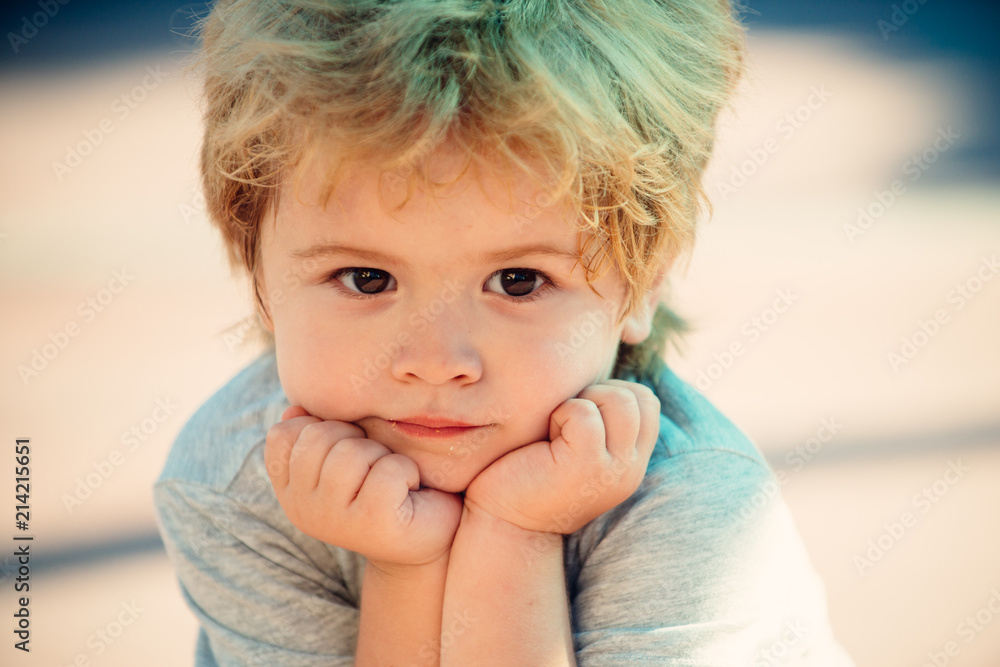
column 400, row 621
column 505, row 599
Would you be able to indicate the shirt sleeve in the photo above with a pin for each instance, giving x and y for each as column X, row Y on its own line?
column 262, row 594
column 699, row 569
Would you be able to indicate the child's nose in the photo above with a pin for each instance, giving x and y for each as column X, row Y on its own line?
column 441, row 348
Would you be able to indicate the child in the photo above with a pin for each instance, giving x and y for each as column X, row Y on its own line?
column 464, row 447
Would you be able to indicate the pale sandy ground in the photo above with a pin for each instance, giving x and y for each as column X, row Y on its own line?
column 161, row 338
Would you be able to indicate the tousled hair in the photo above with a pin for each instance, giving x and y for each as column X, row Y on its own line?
column 609, row 105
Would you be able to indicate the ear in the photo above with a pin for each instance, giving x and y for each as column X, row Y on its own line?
column 639, row 325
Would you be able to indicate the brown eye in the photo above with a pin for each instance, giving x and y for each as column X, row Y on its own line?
column 520, row 284
column 365, row 281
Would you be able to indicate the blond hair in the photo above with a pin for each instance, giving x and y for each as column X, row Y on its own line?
column 609, row 103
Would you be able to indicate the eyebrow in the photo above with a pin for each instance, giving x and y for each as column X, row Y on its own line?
column 515, row 252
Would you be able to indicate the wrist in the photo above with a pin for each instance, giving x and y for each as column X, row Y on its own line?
column 475, row 519
column 402, row 572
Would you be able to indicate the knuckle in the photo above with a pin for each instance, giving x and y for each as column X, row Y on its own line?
column 627, row 393
column 594, row 391
column 638, row 390
column 645, row 394
column 312, row 432
column 653, row 399
column 277, row 434
column 630, row 398
column 580, row 406
column 357, row 448
column 391, row 465
column 349, row 447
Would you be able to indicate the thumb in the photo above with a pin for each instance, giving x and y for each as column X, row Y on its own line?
column 438, row 508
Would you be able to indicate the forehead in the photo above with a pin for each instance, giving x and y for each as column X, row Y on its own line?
column 355, row 197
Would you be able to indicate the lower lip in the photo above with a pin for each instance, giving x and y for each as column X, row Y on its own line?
column 428, row 432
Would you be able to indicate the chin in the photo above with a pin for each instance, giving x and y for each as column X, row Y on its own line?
column 447, row 484
column 445, row 476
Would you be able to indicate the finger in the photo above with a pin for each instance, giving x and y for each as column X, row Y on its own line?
column 388, row 484
column 649, row 414
column 314, row 443
column 577, row 422
column 346, row 467
column 436, row 514
column 637, row 458
column 619, row 409
column 293, row 411
column 278, row 446
column 649, row 425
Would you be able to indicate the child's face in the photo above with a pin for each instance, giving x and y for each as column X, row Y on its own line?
column 444, row 332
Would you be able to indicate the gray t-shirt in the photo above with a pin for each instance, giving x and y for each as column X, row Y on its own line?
column 702, row 565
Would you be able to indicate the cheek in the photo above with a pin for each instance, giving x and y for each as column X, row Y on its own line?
column 316, row 362
column 552, row 372
column 578, row 357
column 295, row 368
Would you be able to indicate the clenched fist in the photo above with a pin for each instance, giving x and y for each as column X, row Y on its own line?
column 346, row 490
column 599, row 446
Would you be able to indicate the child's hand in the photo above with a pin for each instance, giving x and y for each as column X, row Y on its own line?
column 600, row 444
column 339, row 487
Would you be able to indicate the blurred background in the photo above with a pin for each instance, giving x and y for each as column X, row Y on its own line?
column 845, row 300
